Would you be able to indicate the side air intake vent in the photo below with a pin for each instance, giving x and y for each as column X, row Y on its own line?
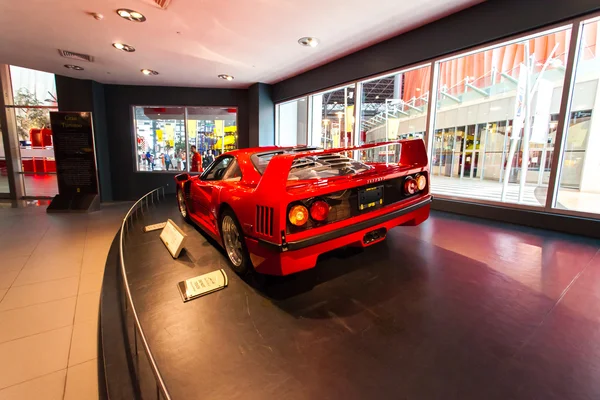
column 76, row 56
column 162, row 3
column 264, row 220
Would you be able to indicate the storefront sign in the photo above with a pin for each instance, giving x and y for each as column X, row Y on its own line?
column 73, row 138
column 541, row 121
column 202, row 285
column 173, row 238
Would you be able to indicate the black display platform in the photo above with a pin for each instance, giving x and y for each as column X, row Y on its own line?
column 404, row 319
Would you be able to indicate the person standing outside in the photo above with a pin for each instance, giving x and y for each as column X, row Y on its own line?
column 167, row 159
column 196, row 160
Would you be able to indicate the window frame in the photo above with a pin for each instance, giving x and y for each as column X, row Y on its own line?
column 133, row 131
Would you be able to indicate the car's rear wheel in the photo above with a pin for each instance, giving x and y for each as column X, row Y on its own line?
column 234, row 243
column 182, row 206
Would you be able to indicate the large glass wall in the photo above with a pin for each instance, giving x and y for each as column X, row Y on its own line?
column 495, row 120
column 395, row 106
column 496, row 111
column 332, row 118
column 160, row 136
column 579, row 174
column 34, row 96
column 292, row 123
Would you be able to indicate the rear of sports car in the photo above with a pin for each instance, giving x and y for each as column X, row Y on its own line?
column 311, row 202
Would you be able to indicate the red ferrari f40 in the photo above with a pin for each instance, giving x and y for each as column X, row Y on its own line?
column 276, row 209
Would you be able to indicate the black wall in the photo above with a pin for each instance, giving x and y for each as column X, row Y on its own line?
column 128, row 184
column 113, row 127
column 486, row 22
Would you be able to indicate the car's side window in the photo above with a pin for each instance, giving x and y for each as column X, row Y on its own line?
column 218, row 169
column 233, row 173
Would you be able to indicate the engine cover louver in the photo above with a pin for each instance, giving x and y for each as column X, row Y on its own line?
column 264, row 220
column 75, row 56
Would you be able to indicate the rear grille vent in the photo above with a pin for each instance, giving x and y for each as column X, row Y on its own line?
column 76, row 56
column 264, row 220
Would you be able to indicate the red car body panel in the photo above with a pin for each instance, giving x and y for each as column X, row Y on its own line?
column 260, row 203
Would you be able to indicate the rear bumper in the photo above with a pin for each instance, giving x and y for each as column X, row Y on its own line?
column 288, row 258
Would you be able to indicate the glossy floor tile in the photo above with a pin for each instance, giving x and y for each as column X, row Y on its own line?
column 47, row 387
column 51, row 269
column 27, row 321
column 82, row 381
column 34, row 356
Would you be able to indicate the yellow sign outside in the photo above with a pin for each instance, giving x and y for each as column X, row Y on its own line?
column 192, row 126
column 170, row 132
column 219, row 128
column 159, row 135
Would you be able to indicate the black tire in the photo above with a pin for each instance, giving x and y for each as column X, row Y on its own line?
column 240, row 259
column 183, row 210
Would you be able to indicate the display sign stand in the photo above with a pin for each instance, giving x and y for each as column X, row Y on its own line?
column 173, row 238
column 74, row 151
column 202, row 285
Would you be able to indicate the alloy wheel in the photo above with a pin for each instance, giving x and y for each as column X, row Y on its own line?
column 232, row 241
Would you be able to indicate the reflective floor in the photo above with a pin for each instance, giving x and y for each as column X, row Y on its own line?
column 457, row 308
column 51, row 268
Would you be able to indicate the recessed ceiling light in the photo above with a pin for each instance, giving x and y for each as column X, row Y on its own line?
column 75, row 67
column 125, row 47
column 418, row 89
column 130, row 15
column 309, row 41
column 149, row 72
column 226, row 77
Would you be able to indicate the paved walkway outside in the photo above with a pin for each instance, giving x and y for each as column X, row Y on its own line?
column 51, row 270
column 484, row 190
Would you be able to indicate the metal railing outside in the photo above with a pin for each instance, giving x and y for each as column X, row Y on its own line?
column 157, row 388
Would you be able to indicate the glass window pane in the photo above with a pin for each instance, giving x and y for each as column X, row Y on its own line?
column 474, row 118
column 37, row 151
column 292, row 119
column 579, row 184
column 395, row 107
column 332, row 122
column 33, row 88
column 4, row 188
column 160, row 139
column 212, row 131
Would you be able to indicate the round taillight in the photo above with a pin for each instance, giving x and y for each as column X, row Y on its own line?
column 421, row 182
column 410, row 186
column 298, row 215
column 319, row 210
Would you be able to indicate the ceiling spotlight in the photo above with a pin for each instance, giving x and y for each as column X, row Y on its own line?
column 149, row 72
column 226, row 77
column 309, row 41
column 75, row 67
column 130, row 15
column 124, row 47
column 418, row 89
column 377, row 97
column 97, row 16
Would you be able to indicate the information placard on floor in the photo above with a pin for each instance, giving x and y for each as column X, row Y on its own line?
column 202, row 285
column 154, row 227
column 173, row 237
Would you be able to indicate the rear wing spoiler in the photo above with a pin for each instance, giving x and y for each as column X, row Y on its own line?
column 412, row 154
